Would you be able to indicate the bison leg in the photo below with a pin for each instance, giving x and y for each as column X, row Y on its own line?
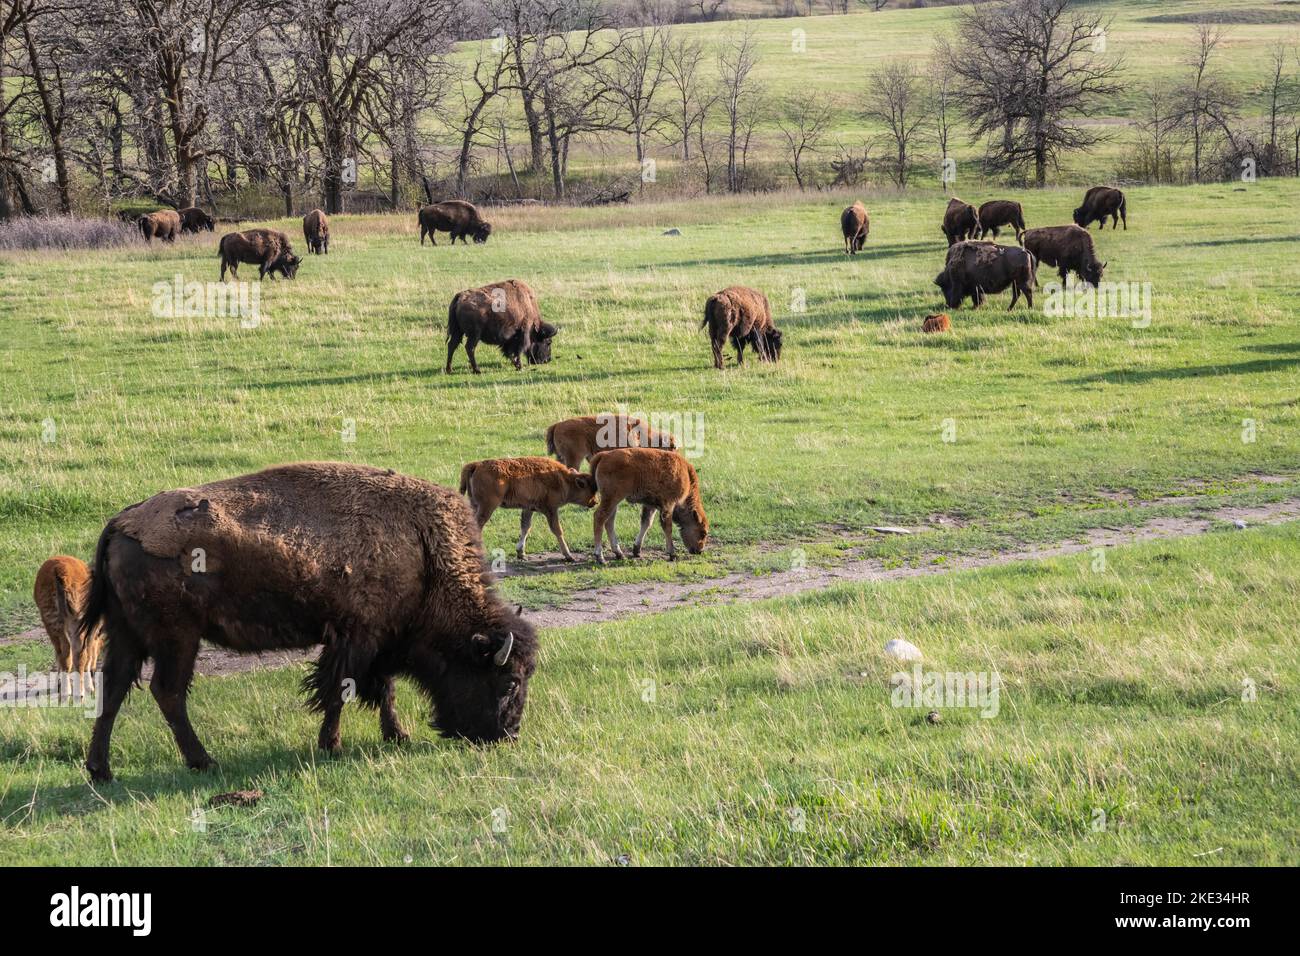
column 389, row 725
column 173, row 669
column 454, row 336
column 471, row 343
column 739, row 345
column 525, row 525
column 647, row 515
column 553, row 520
column 483, row 511
column 717, row 354
column 666, row 520
column 1028, row 290
column 603, row 521
column 121, row 668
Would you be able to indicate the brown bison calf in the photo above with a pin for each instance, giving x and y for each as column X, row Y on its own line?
column 62, row 587
column 658, row 480
column 575, row 440
column 936, row 323
column 996, row 213
column 1100, row 202
column 316, row 230
column 386, row 571
column 504, row 314
column 165, row 224
column 194, row 219
column 977, row 269
column 457, row 217
column 856, row 226
column 532, row 484
column 961, row 221
column 1069, row 248
column 268, row 249
column 743, row 315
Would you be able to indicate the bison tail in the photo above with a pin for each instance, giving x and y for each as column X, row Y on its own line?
column 550, row 440
column 593, row 463
column 451, row 314
column 466, row 476
column 97, row 601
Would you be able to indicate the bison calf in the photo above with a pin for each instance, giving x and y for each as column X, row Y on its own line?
column 1068, row 248
column 316, row 230
column 457, row 217
column 165, row 224
column 575, row 440
column 1100, row 202
column 936, row 323
column 531, row 484
column 62, row 586
column 856, row 226
column 504, row 314
column 658, row 480
column 961, row 221
column 743, row 315
column 977, row 269
column 268, row 249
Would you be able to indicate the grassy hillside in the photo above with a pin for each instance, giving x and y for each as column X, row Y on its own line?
column 762, row 734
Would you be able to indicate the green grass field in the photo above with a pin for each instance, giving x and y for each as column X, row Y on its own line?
column 1123, row 734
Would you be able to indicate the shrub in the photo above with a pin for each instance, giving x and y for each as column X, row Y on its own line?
column 65, row 232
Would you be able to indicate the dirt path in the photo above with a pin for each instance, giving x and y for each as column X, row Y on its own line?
column 595, row 605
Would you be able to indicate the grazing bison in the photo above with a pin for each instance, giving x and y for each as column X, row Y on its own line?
column 386, row 571
column 316, row 230
column 743, row 315
column 532, row 484
column 976, row 269
column 1068, row 248
column 1100, row 202
column 194, row 219
column 504, row 314
column 575, row 440
column 165, row 224
column 62, row 586
column 658, row 480
column 936, row 323
column 856, row 225
column 961, row 221
column 996, row 213
column 455, row 216
column 268, row 249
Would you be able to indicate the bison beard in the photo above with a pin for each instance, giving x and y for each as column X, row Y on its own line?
column 384, row 570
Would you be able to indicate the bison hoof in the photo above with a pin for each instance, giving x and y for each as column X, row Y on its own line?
column 99, row 774
column 398, row 737
column 636, row 552
column 599, row 559
column 570, row 559
column 519, row 555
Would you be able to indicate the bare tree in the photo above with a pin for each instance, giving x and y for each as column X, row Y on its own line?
column 487, row 80
column 682, row 59
column 804, row 122
column 943, row 97
column 1205, row 98
column 1030, row 70
column 1159, row 128
column 740, row 98
column 635, row 75
column 14, row 14
column 896, row 99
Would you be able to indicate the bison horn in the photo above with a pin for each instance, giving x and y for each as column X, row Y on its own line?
column 503, row 654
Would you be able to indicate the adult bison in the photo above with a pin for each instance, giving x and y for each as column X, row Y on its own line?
column 386, row 571
column 195, row 220
column 165, row 224
column 743, row 315
column 316, row 230
column 455, row 216
column 1068, row 248
column 961, row 221
column 1100, row 202
column 976, row 269
column 996, row 213
column 856, row 226
column 268, row 249
column 504, row 314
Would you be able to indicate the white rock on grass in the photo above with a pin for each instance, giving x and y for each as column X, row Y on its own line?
column 903, row 650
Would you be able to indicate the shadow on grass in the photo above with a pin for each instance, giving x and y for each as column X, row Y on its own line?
column 1137, row 376
column 1259, row 240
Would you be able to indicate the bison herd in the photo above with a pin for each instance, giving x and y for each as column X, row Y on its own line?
column 386, row 572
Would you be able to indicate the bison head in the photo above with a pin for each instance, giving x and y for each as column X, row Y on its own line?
column 773, row 341
column 482, row 231
column 695, row 526
column 287, row 265
column 1092, row 272
column 479, row 694
column 582, row 489
column 208, row 223
column 539, row 349
column 951, row 293
column 1078, row 218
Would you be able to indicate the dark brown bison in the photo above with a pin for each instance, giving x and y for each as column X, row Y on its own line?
column 1068, row 248
column 531, row 484
column 504, row 314
column 658, row 480
column 194, row 219
column 1100, row 202
column 268, row 249
column 316, row 230
column 386, row 571
column 455, row 216
column 743, row 315
column 165, row 224
column 996, row 213
column 575, row 440
column 976, row 269
column 856, row 226
column 961, row 221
